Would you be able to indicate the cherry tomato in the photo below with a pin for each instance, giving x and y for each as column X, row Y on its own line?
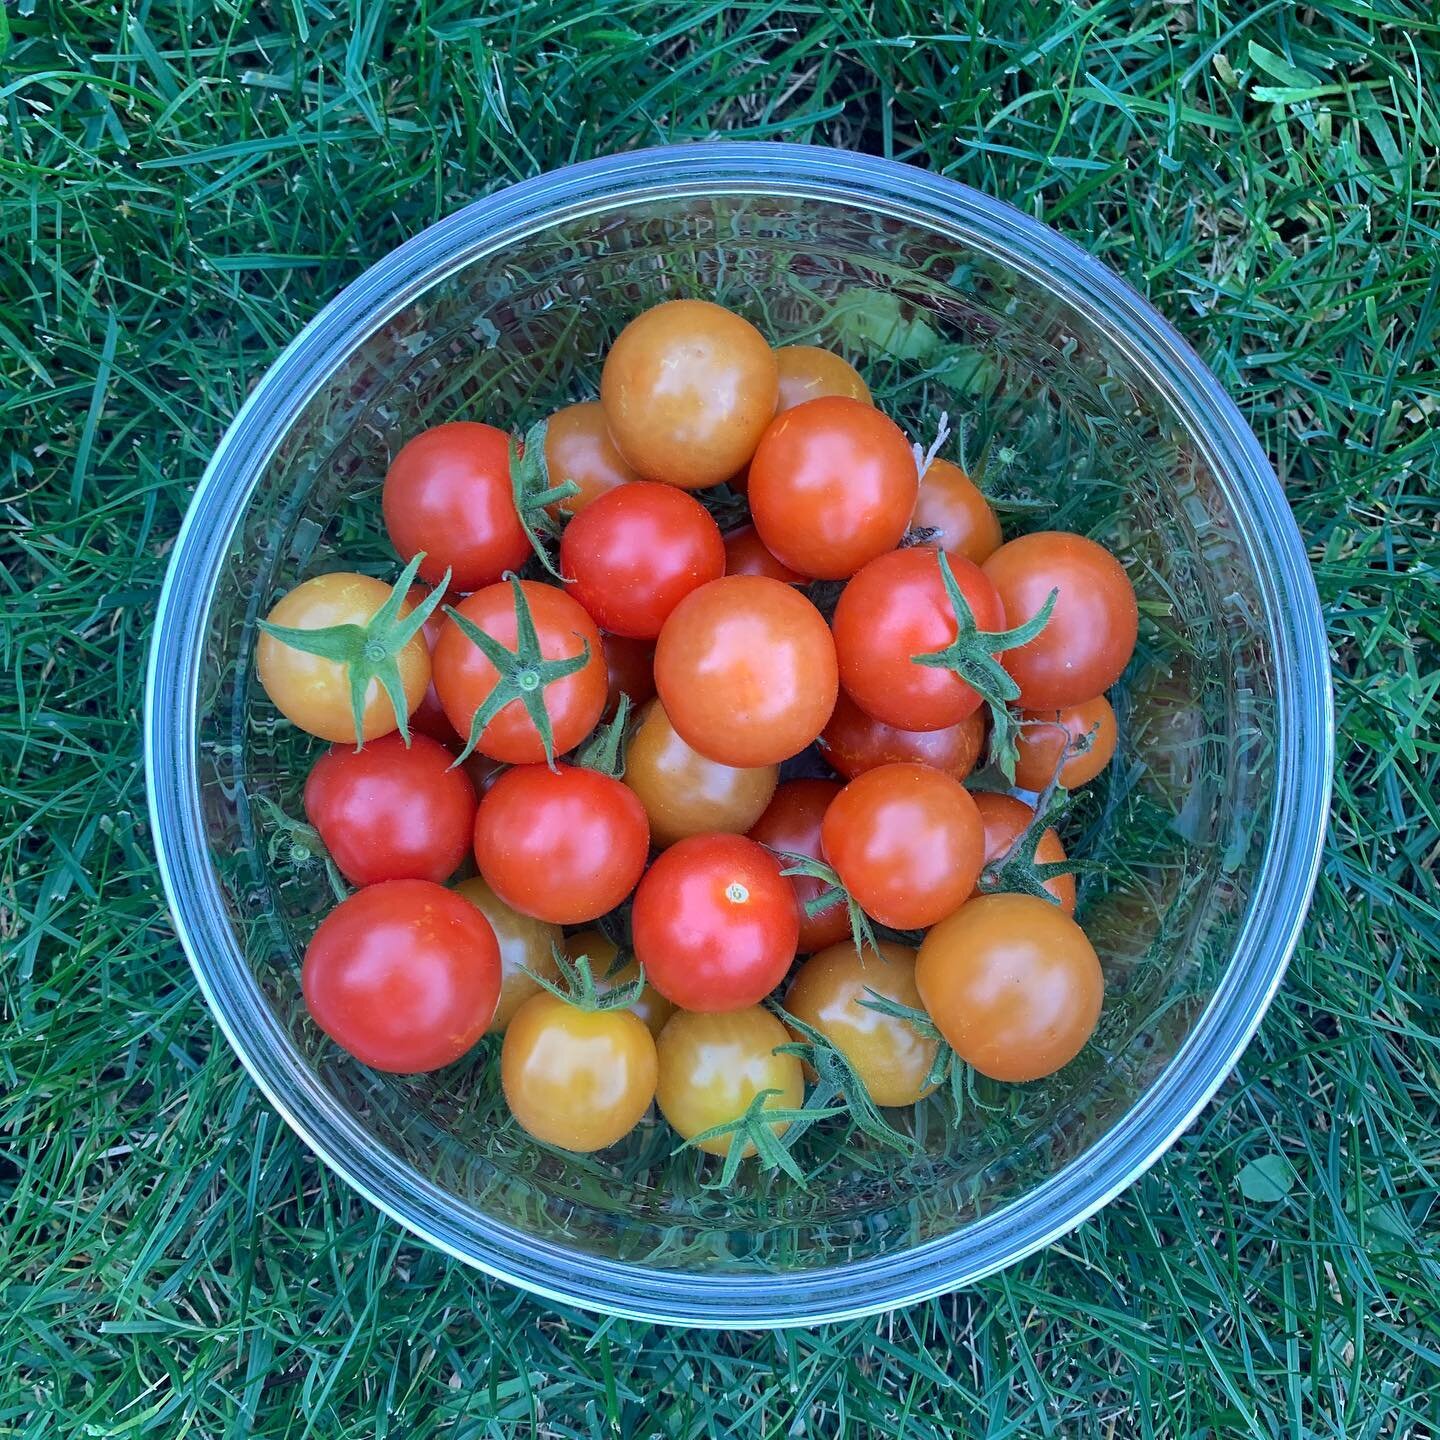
column 314, row 693
column 391, row 812
column 527, row 948
column 404, row 975
column 565, row 845
column 464, row 677
column 577, row 1079
column 635, row 553
column 950, row 504
column 807, row 372
column 629, row 670
column 714, row 923
column 652, row 1007
column 890, row 1056
column 907, row 843
column 448, row 492
column 746, row 668
column 745, row 554
column 713, row 1066
column 688, row 388
column 684, row 793
column 791, row 823
column 578, row 447
column 1091, row 635
column 897, row 608
column 1044, row 734
column 854, row 742
column 1004, row 817
column 832, row 485
column 428, row 717
column 1012, row 984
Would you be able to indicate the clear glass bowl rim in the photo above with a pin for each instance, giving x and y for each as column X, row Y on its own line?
column 1302, row 754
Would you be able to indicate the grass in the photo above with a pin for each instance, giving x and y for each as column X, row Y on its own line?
column 182, row 185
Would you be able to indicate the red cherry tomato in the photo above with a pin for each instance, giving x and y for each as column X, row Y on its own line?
column 897, row 608
column 949, row 504
column 464, row 677
column 635, row 553
column 714, row 923
column 448, row 492
column 791, row 823
column 854, row 742
column 1044, row 734
column 745, row 554
column 745, row 667
column 389, row 812
column 404, row 975
column 428, row 717
column 1091, row 635
column 907, row 843
column 832, row 485
column 565, row 845
column 629, row 670
column 1004, row 817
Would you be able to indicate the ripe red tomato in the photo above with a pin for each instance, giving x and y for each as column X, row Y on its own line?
column 1091, row 635
column 1012, row 984
column 832, row 485
column 629, row 670
column 715, row 923
column 897, row 608
column 791, row 823
column 745, row 667
column 907, row 843
column 464, row 677
column 578, row 448
column 1004, row 817
column 950, row 504
column 391, row 812
column 635, row 553
column 428, row 717
column 854, row 742
column 448, row 493
column 745, row 554
column 807, row 372
column 565, row 845
column 404, row 975
column 688, row 387
column 1044, row 734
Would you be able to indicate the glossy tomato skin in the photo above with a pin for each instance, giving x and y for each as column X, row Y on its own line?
column 578, row 448
column 1012, row 984
column 683, row 792
column 791, row 823
column 564, row 845
column 464, row 677
column 527, row 948
column 629, row 670
column 577, row 1079
column 854, row 742
column 1004, row 817
column 391, row 812
column 712, row 1066
column 1044, row 734
column 897, row 608
column 429, row 717
column 635, row 553
column 745, row 554
column 907, row 843
column 651, row 1006
column 832, row 486
column 404, row 975
column 891, row 1057
column 746, row 669
column 715, row 923
column 688, row 387
column 448, row 492
column 807, row 372
column 314, row 693
column 1091, row 635
column 950, row 503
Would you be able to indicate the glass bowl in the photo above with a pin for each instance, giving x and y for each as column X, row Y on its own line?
column 1089, row 412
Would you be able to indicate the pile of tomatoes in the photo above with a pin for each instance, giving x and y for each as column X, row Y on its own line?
column 605, row 739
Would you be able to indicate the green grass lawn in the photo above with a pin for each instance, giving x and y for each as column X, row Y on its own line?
column 182, row 185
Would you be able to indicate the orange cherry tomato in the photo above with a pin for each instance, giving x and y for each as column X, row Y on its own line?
column 1013, row 984
column 807, row 372
column 791, row 825
column 1044, row 734
column 578, row 447
column 652, row 1007
column 854, row 742
column 950, row 503
column 745, row 554
column 1004, row 817
column 527, row 948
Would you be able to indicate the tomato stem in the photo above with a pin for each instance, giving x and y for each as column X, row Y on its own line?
column 1017, row 871
column 604, row 751
column 862, row 932
column 754, row 1128
column 533, row 494
column 577, row 985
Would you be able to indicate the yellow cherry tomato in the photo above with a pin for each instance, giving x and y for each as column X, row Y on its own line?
column 807, row 372
column 652, row 1007
column 525, row 944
